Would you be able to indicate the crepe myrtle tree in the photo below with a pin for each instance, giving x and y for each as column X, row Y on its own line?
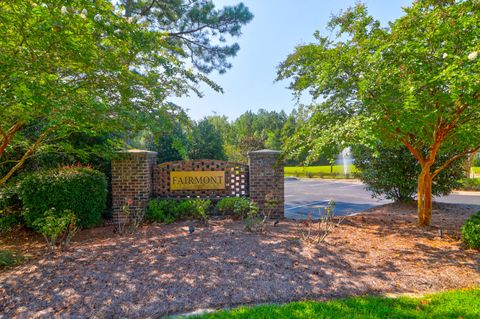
column 82, row 67
column 414, row 83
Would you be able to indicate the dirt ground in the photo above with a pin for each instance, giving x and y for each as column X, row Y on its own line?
column 164, row 270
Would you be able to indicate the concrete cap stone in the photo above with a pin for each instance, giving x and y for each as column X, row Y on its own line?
column 275, row 152
column 137, row 151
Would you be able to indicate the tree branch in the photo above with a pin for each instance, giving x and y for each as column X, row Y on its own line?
column 413, row 150
column 451, row 160
column 7, row 137
column 27, row 154
column 148, row 8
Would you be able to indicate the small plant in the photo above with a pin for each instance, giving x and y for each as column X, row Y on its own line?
column 253, row 221
column 170, row 210
column 132, row 218
column 161, row 211
column 236, row 206
column 270, row 205
column 57, row 227
column 471, row 231
column 315, row 233
column 201, row 208
column 9, row 258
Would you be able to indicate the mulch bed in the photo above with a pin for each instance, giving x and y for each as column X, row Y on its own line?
column 162, row 269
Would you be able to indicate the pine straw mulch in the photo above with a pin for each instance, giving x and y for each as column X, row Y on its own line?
column 164, row 270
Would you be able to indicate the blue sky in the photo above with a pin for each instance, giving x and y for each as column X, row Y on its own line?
column 278, row 26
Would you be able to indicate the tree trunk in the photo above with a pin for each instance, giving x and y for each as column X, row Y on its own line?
column 469, row 165
column 425, row 197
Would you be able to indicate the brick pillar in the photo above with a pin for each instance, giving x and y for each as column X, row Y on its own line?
column 266, row 177
column 131, row 180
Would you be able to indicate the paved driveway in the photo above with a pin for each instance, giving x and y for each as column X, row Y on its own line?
column 304, row 196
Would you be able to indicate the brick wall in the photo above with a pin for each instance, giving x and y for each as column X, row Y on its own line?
column 131, row 180
column 266, row 177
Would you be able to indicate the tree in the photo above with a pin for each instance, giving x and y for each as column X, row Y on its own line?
column 414, row 83
column 250, row 143
column 392, row 172
column 170, row 145
column 195, row 29
column 83, row 67
column 205, row 142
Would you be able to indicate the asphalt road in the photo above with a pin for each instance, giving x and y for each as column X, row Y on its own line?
column 304, row 196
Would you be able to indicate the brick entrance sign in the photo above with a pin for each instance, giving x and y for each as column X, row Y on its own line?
column 136, row 178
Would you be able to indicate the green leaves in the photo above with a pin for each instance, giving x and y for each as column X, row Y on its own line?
column 411, row 83
column 80, row 66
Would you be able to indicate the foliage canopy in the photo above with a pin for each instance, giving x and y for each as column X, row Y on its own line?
column 414, row 83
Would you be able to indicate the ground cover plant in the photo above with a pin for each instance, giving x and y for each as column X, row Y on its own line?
column 452, row 304
column 323, row 171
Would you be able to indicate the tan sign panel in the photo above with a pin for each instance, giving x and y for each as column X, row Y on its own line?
column 195, row 180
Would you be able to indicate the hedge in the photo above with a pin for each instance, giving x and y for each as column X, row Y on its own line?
column 471, row 231
column 81, row 190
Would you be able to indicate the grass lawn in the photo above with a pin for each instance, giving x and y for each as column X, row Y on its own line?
column 453, row 304
column 476, row 170
column 319, row 171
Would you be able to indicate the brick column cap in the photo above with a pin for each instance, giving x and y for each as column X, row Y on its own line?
column 137, row 151
column 265, row 152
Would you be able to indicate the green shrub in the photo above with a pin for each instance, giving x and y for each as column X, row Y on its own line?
column 236, row 206
column 393, row 172
column 56, row 226
column 170, row 210
column 81, row 190
column 470, row 184
column 471, row 231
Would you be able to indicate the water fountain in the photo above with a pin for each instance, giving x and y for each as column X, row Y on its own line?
column 345, row 160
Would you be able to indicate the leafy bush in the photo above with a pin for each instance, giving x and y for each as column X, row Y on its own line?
column 471, row 184
column 81, row 190
column 55, row 226
column 236, row 206
column 253, row 221
column 170, row 210
column 393, row 173
column 244, row 209
column 471, row 231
